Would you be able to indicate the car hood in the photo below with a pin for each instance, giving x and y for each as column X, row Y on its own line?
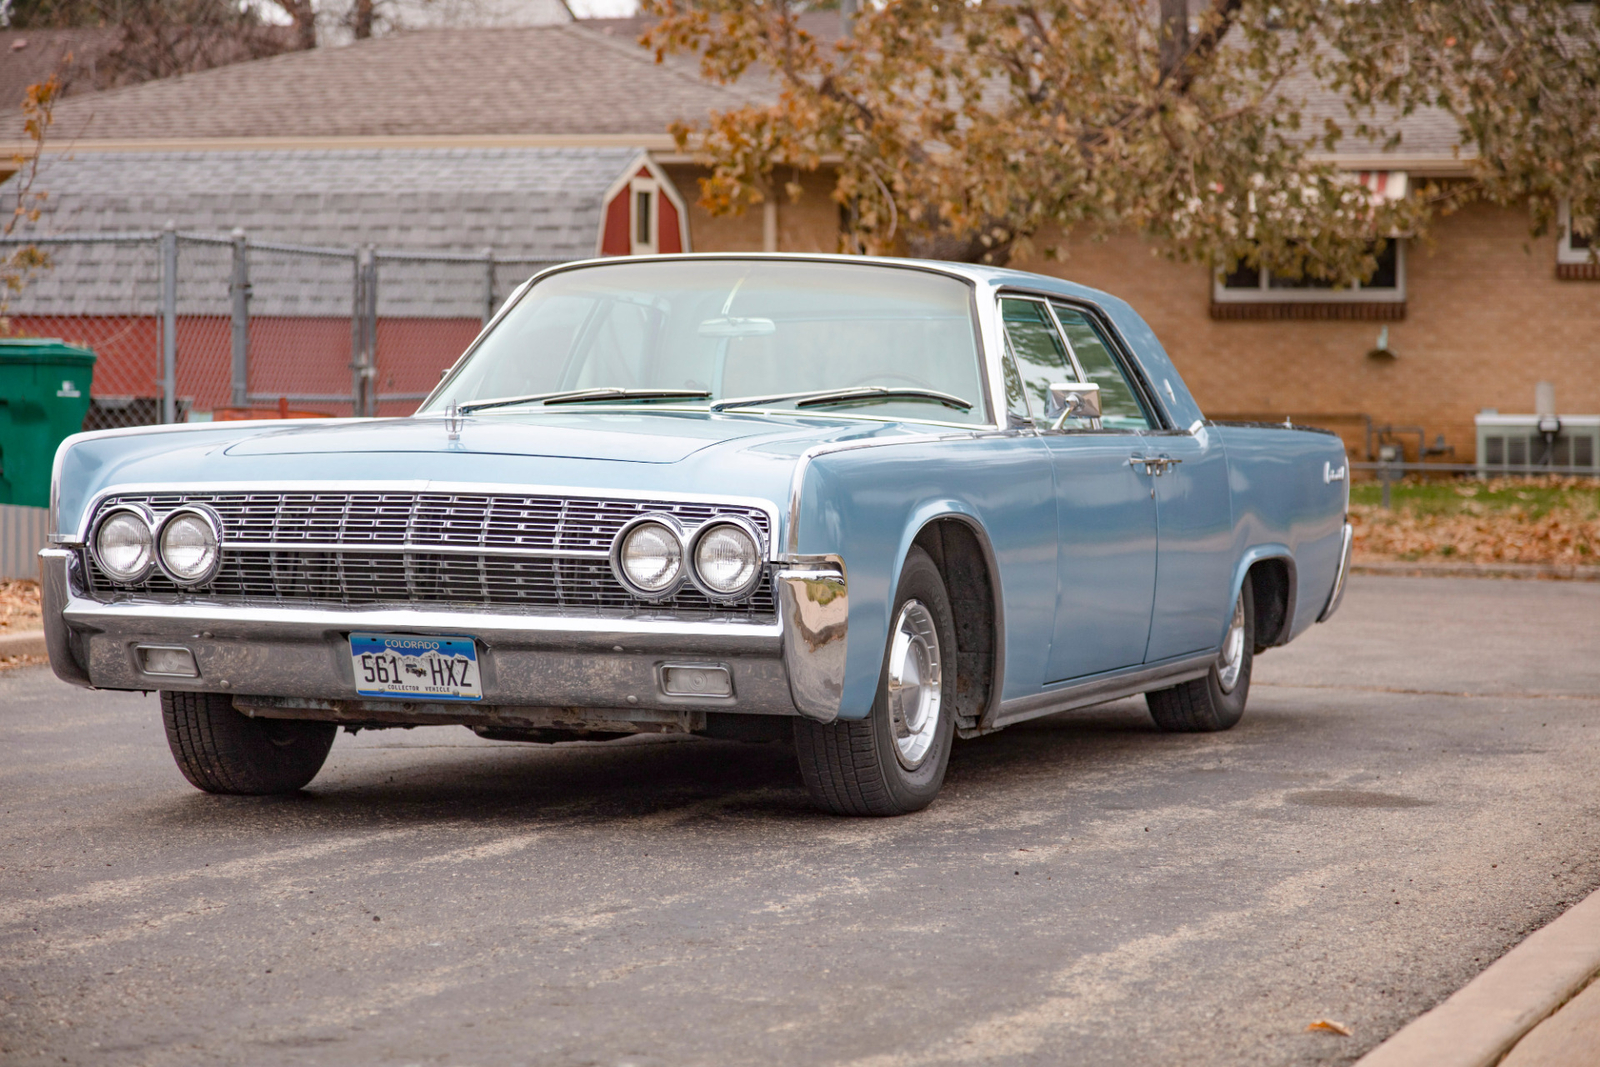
column 734, row 455
column 658, row 437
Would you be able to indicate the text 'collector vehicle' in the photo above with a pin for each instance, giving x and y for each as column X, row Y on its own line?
column 872, row 505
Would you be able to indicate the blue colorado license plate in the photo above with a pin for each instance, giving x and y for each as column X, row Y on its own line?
column 406, row 665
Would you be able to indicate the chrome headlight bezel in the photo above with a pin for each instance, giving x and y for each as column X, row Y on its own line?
column 212, row 523
column 619, row 542
column 757, row 572
column 140, row 512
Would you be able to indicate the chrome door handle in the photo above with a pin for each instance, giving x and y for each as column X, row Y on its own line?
column 1154, row 465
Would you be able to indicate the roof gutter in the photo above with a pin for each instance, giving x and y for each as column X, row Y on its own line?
column 652, row 142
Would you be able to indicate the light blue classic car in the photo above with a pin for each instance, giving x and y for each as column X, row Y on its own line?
column 869, row 506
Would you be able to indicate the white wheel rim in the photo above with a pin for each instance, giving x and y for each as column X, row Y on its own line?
column 916, row 687
column 1231, row 661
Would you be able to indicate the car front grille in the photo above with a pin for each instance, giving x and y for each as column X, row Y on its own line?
column 469, row 549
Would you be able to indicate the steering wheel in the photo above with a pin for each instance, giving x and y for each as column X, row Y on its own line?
column 885, row 379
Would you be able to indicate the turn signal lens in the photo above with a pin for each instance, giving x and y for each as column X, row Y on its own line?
column 651, row 557
column 727, row 559
column 189, row 550
column 124, row 546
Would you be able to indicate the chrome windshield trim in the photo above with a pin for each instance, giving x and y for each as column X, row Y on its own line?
column 80, row 536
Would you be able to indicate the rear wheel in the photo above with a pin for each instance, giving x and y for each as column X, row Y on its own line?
column 222, row 751
column 893, row 761
column 1216, row 701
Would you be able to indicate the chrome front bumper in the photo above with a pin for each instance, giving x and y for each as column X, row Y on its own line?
column 792, row 666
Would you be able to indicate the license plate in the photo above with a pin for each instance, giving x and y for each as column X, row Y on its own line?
column 394, row 665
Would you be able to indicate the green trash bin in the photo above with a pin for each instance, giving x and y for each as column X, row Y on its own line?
column 44, row 395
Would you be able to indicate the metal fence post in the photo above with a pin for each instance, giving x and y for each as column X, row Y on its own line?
column 169, row 323
column 488, row 285
column 364, row 334
column 358, row 304
column 371, row 365
column 240, row 289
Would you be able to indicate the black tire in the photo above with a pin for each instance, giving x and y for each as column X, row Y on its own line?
column 221, row 751
column 1201, row 705
column 851, row 767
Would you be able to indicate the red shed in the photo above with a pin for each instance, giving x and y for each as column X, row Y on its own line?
column 643, row 213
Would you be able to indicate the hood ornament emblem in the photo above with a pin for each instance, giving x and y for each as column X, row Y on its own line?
column 452, row 421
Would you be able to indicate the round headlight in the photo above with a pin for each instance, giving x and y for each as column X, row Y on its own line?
column 124, row 545
column 190, row 546
column 649, row 558
column 727, row 559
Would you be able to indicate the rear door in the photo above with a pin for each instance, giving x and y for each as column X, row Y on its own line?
column 1106, row 514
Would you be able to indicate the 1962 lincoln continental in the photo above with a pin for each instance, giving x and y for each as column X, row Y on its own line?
column 869, row 505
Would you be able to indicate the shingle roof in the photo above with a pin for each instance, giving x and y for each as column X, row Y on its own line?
column 544, row 80
column 540, row 203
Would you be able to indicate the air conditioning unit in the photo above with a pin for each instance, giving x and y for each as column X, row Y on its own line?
column 1518, row 441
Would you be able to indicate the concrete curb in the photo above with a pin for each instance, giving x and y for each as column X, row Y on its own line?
column 1480, row 1022
column 30, row 643
column 1566, row 571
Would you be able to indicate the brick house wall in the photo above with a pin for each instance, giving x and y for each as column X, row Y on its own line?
column 1485, row 319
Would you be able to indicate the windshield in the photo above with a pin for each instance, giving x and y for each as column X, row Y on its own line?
column 693, row 333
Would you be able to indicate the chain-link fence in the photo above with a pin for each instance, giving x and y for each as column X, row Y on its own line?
column 191, row 327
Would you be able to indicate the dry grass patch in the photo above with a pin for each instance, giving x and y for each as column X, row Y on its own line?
column 1541, row 520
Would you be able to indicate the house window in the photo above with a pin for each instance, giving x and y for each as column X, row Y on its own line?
column 1573, row 252
column 1256, row 293
column 644, row 234
column 646, row 219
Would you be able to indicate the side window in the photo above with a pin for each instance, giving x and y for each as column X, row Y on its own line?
column 1040, row 356
column 1120, row 408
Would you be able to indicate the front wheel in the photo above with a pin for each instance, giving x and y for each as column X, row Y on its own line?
column 1216, row 701
column 222, row 751
column 893, row 761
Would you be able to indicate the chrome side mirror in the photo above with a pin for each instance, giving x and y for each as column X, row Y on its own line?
column 1074, row 400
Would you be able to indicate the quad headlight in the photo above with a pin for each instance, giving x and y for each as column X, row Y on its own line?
column 726, row 555
column 190, row 545
column 124, row 544
column 647, row 556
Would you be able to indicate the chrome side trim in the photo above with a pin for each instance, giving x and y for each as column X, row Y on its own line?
column 55, row 569
column 814, row 611
column 1100, row 690
column 1337, row 595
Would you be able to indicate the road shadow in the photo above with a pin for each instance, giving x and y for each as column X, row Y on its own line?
column 374, row 785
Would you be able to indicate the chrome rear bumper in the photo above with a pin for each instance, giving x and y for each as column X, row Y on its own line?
column 1337, row 594
column 549, row 661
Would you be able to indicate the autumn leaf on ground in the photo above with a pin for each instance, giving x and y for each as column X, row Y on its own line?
column 1328, row 1026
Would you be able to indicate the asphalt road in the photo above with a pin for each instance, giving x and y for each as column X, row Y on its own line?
column 1412, row 790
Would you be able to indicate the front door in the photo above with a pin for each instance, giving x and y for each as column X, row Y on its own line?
column 1106, row 513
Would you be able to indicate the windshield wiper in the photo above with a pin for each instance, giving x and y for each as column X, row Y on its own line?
column 865, row 394
column 583, row 396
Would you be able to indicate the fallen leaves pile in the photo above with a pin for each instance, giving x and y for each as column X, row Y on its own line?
column 1550, row 520
column 19, row 606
